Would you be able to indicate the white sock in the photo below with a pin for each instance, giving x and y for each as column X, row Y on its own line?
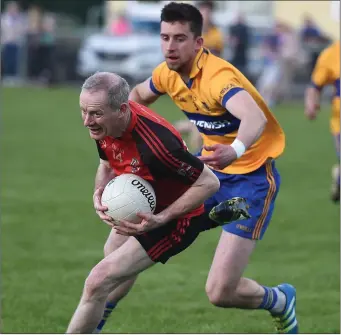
column 280, row 303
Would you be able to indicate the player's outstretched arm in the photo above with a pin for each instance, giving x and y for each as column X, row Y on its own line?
column 143, row 94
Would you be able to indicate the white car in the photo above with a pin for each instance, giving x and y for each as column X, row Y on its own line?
column 133, row 57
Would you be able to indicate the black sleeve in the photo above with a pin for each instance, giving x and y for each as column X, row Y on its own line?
column 101, row 153
column 165, row 153
column 178, row 164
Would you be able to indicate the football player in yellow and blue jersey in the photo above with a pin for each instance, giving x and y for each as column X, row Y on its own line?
column 242, row 139
column 327, row 72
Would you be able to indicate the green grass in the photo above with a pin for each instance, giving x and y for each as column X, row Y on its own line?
column 51, row 236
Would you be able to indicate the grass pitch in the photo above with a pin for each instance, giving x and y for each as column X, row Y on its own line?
column 51, row 236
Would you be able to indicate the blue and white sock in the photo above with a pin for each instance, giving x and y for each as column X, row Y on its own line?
column 107, row 311
column 274, row 300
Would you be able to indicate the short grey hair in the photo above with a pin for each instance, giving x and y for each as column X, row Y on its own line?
column 116, row 87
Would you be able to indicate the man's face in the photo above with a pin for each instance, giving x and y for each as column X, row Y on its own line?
column 179, row 45
column 98, row 117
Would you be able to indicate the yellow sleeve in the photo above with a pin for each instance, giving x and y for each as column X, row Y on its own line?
column 158, row 80
column 321, row 75
column 225, row 84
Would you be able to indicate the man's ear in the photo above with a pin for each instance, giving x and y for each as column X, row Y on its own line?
column 123, row 109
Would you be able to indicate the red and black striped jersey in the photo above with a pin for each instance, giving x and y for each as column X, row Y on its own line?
column 154, row 150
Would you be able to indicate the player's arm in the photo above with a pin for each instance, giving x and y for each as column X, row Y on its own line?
column 204, row 186
column 143, row 94
column 151, row 89
column 240, row 104
column 103, row 175
column 168, row 156
column 177, row 164
column 252, row 119
column 319, row 78
column 312, row 102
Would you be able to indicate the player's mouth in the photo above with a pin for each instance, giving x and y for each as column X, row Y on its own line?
column 95, row 131
column 172, row 59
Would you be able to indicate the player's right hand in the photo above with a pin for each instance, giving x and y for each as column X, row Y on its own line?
column 100, row 209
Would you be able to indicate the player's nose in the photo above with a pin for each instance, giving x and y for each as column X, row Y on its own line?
column 87, row 120
column 171, row 45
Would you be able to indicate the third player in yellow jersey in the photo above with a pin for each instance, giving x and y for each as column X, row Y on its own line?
column 327, row 72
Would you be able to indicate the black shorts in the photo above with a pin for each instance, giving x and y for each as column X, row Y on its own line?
column 169, row 240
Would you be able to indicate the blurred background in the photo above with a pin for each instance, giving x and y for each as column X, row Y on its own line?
column 61, row 42
column 50, row 234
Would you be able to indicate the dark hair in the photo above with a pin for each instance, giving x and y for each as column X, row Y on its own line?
column 209, row 4
column 183, row 12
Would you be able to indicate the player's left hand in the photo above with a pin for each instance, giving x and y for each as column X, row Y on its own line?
column 149, row 222
column 222, row 156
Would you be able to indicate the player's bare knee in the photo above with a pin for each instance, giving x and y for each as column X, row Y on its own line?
column 99, row 284
column 220, row 294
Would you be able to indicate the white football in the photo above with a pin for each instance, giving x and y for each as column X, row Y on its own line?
column 126, row 195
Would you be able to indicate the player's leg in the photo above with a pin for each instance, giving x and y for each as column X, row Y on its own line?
column 113, row 242
column 125, row 262
column 135, row 255
column 335, row 187
column 225, row 285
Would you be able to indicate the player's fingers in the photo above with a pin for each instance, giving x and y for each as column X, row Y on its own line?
column 98, row 203
column 144, row 216
column 121, row 232
column 214, row 167
column 104, row 217
column 98, row 193
column 125, row 231
column 97, row 200
column 128, row 225
column 211, row 147
column 101, row 208
column 205, row 158
column 109, row 223
column 209, row 160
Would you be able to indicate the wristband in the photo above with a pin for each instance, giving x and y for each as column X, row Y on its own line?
column 238, row 147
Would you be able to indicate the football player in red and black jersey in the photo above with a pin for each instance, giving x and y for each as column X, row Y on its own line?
column 132, row 139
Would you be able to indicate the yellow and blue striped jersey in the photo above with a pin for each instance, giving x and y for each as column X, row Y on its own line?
column 213, row 81
column 327, row 72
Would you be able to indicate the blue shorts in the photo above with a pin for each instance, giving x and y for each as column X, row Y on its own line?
column 259, row 188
